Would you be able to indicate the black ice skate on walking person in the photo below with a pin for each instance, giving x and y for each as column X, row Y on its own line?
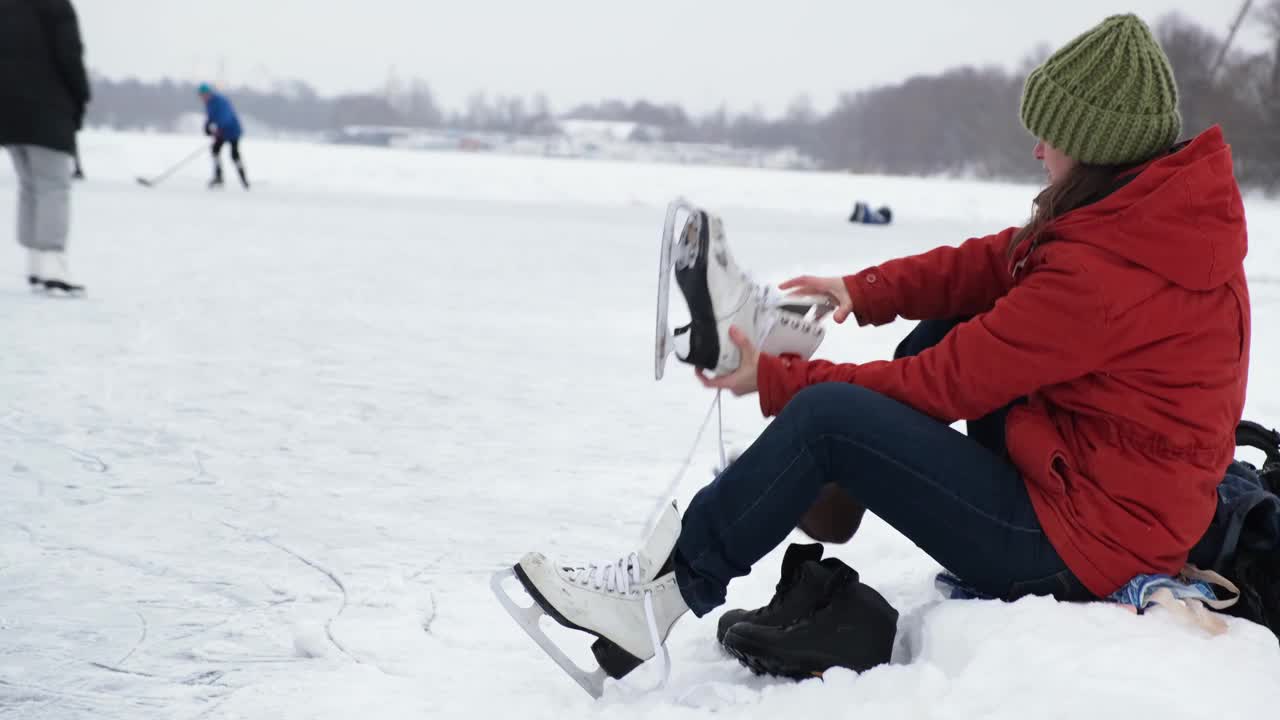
column 53, row 273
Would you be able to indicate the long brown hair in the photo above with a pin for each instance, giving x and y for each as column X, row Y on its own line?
column 1083, row 185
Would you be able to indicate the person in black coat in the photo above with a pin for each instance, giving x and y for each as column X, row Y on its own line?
column 44, row 89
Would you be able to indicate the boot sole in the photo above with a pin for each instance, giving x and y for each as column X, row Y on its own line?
column 764, row 660
column 613, row 659
column 765, row 665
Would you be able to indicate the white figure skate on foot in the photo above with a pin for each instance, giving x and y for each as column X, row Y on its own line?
column 628, row 603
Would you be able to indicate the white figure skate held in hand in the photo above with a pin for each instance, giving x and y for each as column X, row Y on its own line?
column 719, row 295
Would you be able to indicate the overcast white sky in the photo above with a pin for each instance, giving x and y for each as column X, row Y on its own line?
column 699, row 53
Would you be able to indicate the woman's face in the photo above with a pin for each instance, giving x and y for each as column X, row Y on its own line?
column 1056, row 163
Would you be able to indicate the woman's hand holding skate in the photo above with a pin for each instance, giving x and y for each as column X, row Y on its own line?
column 743, row 380
column 830, row 287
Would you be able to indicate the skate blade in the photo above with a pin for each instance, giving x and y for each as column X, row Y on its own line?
column 61, row 293
column 527, row 618
column 663, row 335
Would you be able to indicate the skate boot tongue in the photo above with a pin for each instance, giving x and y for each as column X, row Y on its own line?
column 659, row 544
column 638, row 568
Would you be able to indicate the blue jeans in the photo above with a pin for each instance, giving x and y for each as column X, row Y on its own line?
column 958, row 497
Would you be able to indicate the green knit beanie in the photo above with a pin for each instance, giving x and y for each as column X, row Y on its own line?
column 1107, row 98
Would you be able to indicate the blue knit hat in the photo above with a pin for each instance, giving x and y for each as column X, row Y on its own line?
column 204, row 89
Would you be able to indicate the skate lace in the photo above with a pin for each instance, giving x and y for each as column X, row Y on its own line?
column 615, row 575
column 716, row 410
column 659, row 648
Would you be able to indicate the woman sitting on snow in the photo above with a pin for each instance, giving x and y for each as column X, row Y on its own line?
column 1100, row 354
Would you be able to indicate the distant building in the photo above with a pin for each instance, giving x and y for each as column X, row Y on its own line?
column 589, row 139
column 608, row 131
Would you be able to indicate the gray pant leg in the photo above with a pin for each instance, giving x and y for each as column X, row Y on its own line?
column 44, row 212
column 26, row 195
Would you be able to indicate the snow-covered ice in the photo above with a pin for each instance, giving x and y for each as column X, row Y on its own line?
column 266, row 467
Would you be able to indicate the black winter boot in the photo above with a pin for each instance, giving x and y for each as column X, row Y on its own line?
column 800, row 589
column 854, row 629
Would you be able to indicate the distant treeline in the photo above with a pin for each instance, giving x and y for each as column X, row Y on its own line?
column 963, row 121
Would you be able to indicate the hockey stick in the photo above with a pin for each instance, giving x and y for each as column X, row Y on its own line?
column 152, row 182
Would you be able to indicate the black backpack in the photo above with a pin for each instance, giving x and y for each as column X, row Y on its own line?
column 1251, row 434
column 1243, row 541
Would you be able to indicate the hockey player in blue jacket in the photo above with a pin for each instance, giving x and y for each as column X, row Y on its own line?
column 223, row 126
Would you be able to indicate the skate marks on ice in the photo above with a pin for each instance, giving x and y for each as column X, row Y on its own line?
column 58, row 460
column 86, row 460
column 385, row 624
column 190, row 644
column 306, row 647
column 86, row 466
column 100, row 622
column 67, row 650
column 71, row 660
